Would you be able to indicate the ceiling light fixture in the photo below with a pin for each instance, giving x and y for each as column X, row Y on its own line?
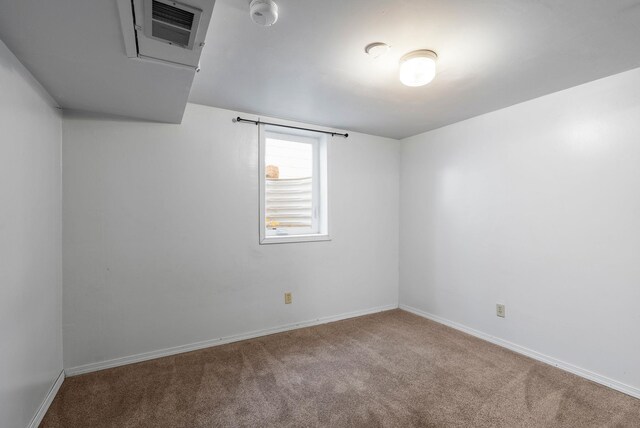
column 418, row 68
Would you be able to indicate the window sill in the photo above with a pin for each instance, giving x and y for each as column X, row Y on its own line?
column 288, row 239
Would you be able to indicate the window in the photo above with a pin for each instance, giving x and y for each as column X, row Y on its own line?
column 293, row 187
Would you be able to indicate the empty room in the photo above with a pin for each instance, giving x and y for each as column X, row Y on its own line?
column 319, row 213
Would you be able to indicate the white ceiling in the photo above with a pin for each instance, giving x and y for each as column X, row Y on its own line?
column 75, row 49
column 310, row 66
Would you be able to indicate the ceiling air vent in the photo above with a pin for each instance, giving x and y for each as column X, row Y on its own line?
column 165, row 31
column 171, row 22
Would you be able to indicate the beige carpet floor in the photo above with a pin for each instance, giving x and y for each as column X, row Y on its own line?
column 390, row 369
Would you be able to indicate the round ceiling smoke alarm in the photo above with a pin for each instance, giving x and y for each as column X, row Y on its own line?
column 377, row 49
column 264, row 12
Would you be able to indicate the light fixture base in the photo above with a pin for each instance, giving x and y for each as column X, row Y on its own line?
column 420, row 53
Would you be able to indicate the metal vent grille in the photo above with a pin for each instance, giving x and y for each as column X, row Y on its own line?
column 171, row 22
column 170, row 34
column 172, row 15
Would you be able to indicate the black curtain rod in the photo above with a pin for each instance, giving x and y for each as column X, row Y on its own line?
column 259, row 122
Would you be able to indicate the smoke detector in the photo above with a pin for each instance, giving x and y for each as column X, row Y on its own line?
column 264, row 12
column 377, row 49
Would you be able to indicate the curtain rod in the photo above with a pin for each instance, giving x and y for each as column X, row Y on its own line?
column 259, row 122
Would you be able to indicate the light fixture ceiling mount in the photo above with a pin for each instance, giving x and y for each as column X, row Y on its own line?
column 418, row 68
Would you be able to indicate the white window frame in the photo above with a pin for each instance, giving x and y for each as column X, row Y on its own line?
column 320, row 218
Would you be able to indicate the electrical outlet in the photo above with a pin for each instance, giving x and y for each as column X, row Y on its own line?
column 500, row 310
column 287, row 298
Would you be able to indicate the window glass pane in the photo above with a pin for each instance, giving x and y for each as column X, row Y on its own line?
column 288, row 186
column 293, row 159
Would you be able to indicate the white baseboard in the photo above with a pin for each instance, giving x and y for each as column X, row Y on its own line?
column 603, row 380
column 42, row 410
column 92, row 367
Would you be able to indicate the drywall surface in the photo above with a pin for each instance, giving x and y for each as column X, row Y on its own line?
column 161, row 236
column 30, row 243
column 536, row 206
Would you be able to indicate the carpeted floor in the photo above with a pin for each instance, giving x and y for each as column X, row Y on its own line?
column 390, row 369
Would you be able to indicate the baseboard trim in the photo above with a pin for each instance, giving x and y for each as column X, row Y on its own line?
column 603, row 380
column 42, row 410
column 116, row 362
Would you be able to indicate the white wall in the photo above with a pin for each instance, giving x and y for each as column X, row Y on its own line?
column 536, row 206
column 30, row 243
column 161, row 235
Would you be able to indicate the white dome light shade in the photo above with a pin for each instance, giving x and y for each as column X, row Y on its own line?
column 418, row 68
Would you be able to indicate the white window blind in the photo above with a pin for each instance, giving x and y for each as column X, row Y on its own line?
column 289, row 202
